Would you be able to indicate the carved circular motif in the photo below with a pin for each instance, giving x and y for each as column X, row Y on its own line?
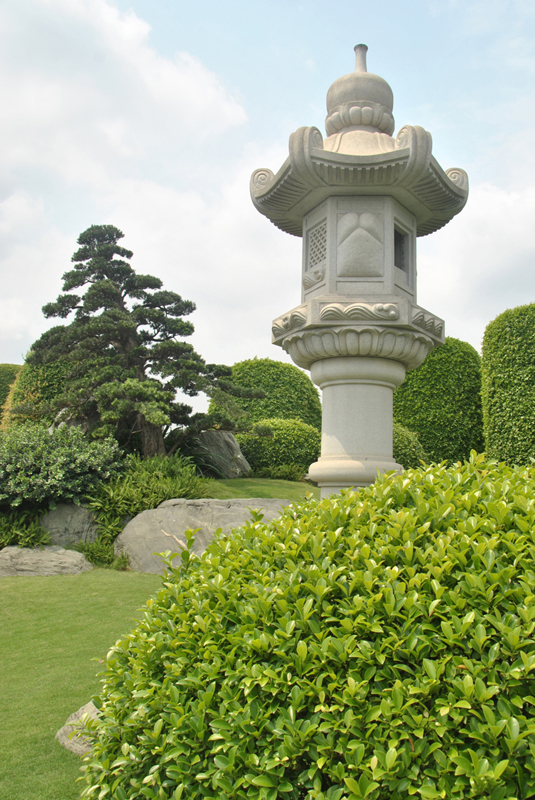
column 458, row 177
column 261, row 178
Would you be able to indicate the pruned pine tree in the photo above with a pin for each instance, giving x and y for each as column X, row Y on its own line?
column 124, row 346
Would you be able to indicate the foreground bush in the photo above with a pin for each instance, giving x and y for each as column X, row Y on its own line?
column 42, row 468
column 441, row 402
column 290, row 441
column 373, row 645
column 508, row 368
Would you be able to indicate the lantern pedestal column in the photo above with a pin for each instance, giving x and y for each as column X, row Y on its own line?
column 356, row 441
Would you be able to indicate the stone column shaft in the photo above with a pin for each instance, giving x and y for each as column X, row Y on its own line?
column 357, row 423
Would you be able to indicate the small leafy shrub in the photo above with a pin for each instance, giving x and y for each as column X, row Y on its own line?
column 33, row 392
column 441, row 402
column 284, row 472
column 21, row 528
column 508, row 367
column 42, row 468
column 144, row 485
column 372, row 645
column 408, row 450
column 8, row 373
column 289, row 392
column 291, row 441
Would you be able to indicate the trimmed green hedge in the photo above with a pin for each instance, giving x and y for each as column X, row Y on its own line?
column 408, row 450
column 441, row 402
column 8, row 373
column 376, row 644
column 508, row 367
column 32, row 392
column 291, row 442
column 290, row 394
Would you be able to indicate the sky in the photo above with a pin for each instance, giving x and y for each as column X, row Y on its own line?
column 151, row 115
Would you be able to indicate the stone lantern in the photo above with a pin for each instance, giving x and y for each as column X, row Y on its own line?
column 359, row 198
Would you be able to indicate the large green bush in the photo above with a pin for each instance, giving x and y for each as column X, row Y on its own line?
column 8, row 373
column 32, row 393
column 42, row 468
column 508, row 368
column 290, row 442
column 289, row 392
column 441, row 402
column 373, row 645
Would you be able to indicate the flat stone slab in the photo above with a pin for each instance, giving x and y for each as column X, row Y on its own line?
column 69, row 524
column 70, row 736
column 163, row 528
column 34, row 561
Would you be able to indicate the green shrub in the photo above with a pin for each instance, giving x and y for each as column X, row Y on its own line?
column 441, row 402
column 8, row 373
column 291, row 442
column 290, row 394
column 22, row 528
column 284, row 472
column 373, row 645
column 42, row 468
column 144, row 485
column 33, row 392
column 508, row 368
column 408, row 450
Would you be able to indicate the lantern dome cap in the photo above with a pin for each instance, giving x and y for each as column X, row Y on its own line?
column 360, row 100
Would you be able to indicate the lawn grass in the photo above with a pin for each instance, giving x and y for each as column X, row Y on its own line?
column 262, row 487
column 51, row 629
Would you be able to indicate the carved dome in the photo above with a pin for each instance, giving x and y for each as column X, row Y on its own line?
column 360, row 100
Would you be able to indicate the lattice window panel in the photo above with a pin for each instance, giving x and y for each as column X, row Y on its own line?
column 317, row 245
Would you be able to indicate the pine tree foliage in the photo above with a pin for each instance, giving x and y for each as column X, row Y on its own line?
column 124, row 346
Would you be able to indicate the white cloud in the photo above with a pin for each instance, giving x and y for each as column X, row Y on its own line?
column 482, row 262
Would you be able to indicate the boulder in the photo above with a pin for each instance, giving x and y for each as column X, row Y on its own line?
column 69, row 524
column 70, row 736
column 222, row 450
column 163, row 528
column 49, row 560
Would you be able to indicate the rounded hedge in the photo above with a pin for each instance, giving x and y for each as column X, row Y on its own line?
column 291, row 442
column 41, row 467
column 8, row 373
column 508, row 369
column 441, row 402
column 408, row 450
column 373, row 645
column 290, row 394
column 32, row 392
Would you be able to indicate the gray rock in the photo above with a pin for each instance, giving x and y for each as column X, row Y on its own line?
column 69, row 735
column 221, row 449
column 69, row 524
column 163, row 528
column 50, row 560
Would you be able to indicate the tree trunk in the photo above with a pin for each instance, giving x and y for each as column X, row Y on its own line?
column 152, row 443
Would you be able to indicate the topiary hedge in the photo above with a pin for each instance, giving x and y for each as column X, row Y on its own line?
column 372, row 645
column 441, row 402
column 508, row 367
column 290, row 442
column 32, row 393
column 290, row 394
column 8, row 373
column 408, row 450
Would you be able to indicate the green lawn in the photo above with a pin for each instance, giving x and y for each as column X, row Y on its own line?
column 51, row 631
column 262, row 487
